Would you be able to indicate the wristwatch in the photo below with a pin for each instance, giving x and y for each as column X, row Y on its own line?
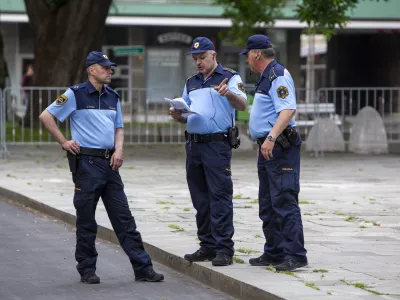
column 271, row 138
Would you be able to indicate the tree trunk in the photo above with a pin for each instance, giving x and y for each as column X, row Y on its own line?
column 64, row 31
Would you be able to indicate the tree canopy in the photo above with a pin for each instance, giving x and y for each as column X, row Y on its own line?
column 321, row 16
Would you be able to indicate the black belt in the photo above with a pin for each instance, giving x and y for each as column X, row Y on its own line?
column 205, row 138
column 106, row 153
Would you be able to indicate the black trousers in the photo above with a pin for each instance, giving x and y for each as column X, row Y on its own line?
column 94, row 179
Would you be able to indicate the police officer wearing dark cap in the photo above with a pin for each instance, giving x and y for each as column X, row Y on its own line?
column 214, row 93
column 95, row 155
column 272, row 125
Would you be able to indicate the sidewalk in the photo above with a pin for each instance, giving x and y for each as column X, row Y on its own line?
column 350, row 206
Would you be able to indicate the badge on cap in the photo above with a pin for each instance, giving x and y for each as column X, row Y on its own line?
column 105, row 56
column 283, row 92
column 61, row 100
column 196, row 45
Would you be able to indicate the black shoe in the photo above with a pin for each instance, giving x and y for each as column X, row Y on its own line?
column 222, row 259
column 291, row 264
column 149, row 275
column 200, row 255
column 263, row 260
column 90, row 278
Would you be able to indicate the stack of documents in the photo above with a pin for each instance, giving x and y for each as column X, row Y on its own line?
column 179, row 105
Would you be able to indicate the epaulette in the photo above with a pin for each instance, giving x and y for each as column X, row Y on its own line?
column 272, row 75
column 76, row 87
column 230, row 70
column 191, row 76
column 111, row 90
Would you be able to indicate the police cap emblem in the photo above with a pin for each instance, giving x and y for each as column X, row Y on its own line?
column 196, row 45
column 283, row 92
column 61, row 100
column 105, row 56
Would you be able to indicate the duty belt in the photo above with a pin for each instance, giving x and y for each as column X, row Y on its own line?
column 106, row 153
column 205, row 138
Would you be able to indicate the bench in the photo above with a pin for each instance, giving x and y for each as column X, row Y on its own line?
column 305, row 111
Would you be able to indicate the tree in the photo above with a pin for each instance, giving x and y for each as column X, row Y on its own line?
column 321, row 16
column 63, row 33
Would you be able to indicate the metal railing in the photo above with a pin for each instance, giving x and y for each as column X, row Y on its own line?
column 146, row 118
column 22, row 107
column 347, row 102
column 3, row 144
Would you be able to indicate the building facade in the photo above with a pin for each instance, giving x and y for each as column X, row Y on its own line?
column 149, row 40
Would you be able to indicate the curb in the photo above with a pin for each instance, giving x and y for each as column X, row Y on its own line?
column 210, row 277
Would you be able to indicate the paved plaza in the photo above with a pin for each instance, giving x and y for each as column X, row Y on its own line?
column 350, row 207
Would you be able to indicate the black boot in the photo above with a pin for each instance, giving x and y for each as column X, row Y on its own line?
column 222, row 259
column 90, row 278
column 291, row 264
column 148, row 275
column 263, row 260
column 200, row 255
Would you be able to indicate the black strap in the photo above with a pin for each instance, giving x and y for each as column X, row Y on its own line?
column 205, row 138
column 106, row 153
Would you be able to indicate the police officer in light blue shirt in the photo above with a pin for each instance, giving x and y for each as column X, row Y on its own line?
column 95, row 154
column 272, row 125
column 213, row 93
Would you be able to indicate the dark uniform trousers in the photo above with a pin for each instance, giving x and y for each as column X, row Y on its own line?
column 208, row 172
column 94, row 179
column 279, row 207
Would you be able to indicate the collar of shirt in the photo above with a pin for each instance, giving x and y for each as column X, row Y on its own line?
column 92, row 89
column 266, row 71
column 219, row 69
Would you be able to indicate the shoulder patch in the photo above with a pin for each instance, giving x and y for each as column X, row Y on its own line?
column 230, row 70
column 241, row 87
column 283, row 92
column 112, row 91
column 61, row 100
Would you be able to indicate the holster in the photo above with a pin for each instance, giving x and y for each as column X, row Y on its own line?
column 233, row 137
column 73, row 161
column 291, row 134
column 282, row 141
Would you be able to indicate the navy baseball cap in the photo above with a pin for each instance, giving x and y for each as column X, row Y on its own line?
column 201, row 44
column 257, row 41
column 95, row 57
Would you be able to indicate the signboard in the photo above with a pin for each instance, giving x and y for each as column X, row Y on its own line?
column 174, row 37
column 128, row 51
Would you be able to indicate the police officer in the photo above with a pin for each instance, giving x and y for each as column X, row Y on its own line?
column 272, row 124
column 95, row 154
column 214, row 93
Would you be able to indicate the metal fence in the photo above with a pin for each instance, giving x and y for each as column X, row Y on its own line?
column 343, row 104
column 146, row 118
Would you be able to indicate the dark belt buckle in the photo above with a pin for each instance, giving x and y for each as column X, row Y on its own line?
column 107, row 154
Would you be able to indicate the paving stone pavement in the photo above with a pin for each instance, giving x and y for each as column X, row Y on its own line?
column 350, row 207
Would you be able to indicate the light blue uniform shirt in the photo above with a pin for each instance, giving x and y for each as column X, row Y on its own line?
column 94, row 116
column 214, row 112
column 274, row 92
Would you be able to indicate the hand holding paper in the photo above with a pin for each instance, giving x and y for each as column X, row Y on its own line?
column 179, row 105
